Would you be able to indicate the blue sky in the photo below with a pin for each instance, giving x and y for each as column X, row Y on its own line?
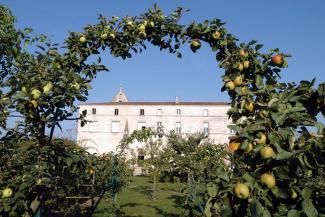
column 296, row 27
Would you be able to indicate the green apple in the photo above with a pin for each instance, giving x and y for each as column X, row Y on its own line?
column 238, row 80
column 7, row 192
column 195, row 45
column 241, row 191
column 82, row 39
column 48, row 87
column 268, row 180
column 36, row 94
column 266, row 152
column 230, row 85
column 104, row 36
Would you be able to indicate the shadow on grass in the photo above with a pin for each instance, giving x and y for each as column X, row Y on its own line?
column 161, row 212
column 178, row 200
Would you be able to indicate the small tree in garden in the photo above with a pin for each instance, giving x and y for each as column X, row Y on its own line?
column 278, row 166
column 151, row 150
column 196, row 160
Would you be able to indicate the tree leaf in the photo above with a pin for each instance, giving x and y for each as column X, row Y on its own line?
column 308, row 208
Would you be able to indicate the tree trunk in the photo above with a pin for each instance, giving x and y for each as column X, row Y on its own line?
column 154, row 186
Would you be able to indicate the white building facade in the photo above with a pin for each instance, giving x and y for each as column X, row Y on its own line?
column 110, row 121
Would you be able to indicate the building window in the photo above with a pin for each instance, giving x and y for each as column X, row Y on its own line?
column 141, row 125
column 232, row 131
column 93, row 110
column 92, row 126
column 116, row 112
column 205, row 112
column 159, row 112
column 178, row 111
column 178, row 127
column 141, row 111
column 116, row 126
column 206, row 128
column 159, row 124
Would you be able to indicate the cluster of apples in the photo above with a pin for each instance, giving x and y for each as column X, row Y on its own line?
column 241, row 190
column 266, row 152
column 195, row 44
column 35, row 93
column 141, row 29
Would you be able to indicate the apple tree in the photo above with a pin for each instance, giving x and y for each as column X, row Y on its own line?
column 278, row 163
column 270, row 117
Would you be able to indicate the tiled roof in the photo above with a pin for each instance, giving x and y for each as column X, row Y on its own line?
column 156, row 103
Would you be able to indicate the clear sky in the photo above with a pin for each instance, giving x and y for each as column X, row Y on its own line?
column 296, row 27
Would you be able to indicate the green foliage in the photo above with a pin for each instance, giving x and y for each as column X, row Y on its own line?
column 42, row 87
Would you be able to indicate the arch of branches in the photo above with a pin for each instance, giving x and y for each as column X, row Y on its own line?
column 269, row 117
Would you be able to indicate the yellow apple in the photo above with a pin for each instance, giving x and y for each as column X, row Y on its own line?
column 48, row 87
column 7, row 192
column 75, row 85
column 293, row 194
column 142, row 35
column 151, row 24
column 129, row 23
column 216, row 35
column 266, row 152
column 82, row 39
column 241, row 191
column 244, row 90
column 104, row 36
column 268, row 180
column 34, row 103
column 195, row 45
column 230, row 85
column 242, row 53
column 240, row 67
column 238, row 80
column 262, row 139
column 249, row 106
column 233, row 146
column 112, row 36
column 249, row 148
column 36, row 94
column 24, row 89
column 246, row 64
column 142, row 27
column 263, row 113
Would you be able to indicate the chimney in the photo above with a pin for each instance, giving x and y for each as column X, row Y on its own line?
column 176, row 99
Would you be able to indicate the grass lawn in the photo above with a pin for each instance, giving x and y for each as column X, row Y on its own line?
column 135, row 200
